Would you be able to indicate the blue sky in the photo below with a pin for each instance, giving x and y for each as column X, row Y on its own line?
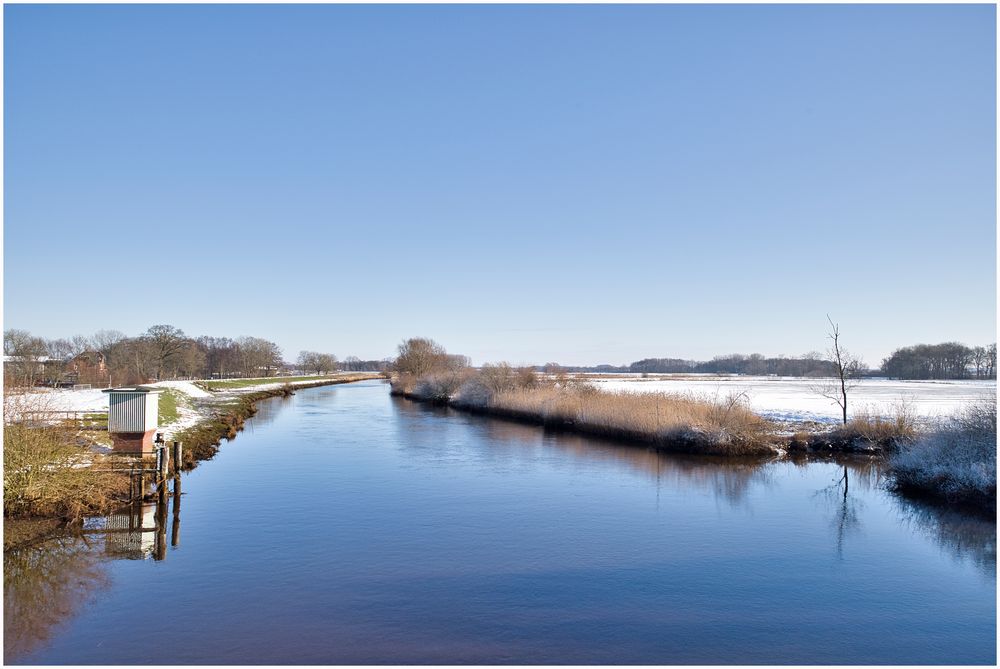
column 583, row 184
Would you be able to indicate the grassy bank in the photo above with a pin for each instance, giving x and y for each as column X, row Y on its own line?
column 51, row 472
column 236, row 384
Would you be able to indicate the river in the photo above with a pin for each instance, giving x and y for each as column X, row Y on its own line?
column 344, row 526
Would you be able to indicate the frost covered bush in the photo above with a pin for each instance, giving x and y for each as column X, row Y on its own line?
column 474, row 393
column 494, row 380
column 439, row 386
column 957, row 462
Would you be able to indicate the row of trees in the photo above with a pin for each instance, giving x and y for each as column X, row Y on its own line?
column 321, row 363
column 949, row 360
column 810, row 364
column 162, row 352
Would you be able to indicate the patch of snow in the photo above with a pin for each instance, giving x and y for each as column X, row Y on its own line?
column 186, row 387
column 796, row 399
column 65, row 399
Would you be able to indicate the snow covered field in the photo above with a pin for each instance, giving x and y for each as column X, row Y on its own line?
column 795, row 399
column 777, row 398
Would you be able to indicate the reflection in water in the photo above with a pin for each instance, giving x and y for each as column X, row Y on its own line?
column 139, row 531
column 729, row 478
column 267, row 412
column 964, row 537
column 45, row 584
column 445, row 538
column 846, row 518
column 48, row 580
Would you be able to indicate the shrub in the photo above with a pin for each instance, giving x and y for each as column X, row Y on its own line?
column 440, row 386
column 956, row 462
column 872, row 430
column 47, row 467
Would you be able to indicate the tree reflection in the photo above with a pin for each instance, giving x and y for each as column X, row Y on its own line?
column 49, row 576
column 45, row 584
column 845, row 506
column 729, row 478
column 965, row 537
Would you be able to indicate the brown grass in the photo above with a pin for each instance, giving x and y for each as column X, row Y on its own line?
column 869, row 430
column 672, row 421
column 47, row 472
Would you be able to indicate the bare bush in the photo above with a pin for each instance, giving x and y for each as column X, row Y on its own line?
column 873, row 428
column 440, row 386
column 956, row 462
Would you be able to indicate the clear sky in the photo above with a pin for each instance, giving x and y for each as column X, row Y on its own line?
column 581, row 184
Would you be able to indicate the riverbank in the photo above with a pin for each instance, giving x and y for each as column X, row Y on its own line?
column 951, row 465
column 685, row 423
column 54, row 462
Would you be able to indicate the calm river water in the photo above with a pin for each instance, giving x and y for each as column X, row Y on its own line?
column 345, row 526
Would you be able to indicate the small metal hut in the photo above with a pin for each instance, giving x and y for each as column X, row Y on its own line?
column 133, row 416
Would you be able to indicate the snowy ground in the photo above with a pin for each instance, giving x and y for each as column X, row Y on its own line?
column 191, row 403
column 795, row 399
column 778, row 398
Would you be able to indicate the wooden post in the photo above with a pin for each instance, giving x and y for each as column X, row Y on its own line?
column 162, row 463
column 178, row 457
column 175, row 529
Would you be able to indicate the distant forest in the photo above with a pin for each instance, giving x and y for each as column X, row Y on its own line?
column 949, row 360
column 161, row 352
column 165, row 352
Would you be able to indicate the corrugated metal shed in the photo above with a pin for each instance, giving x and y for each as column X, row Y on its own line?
column 133, row 409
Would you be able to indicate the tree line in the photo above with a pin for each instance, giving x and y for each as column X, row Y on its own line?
column 109, row 357
column 949, row 360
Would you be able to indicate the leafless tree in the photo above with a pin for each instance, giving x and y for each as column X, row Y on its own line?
column 847, row 370
column 105, row 340
column 418, row 356
column 978, row 359
column 258, row 357
column 26, row 353
column 321, row 363
column 167, row 342
column 60, row 349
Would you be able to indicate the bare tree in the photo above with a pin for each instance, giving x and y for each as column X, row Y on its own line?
column 25, row 352
column 60, row 349
column 321, row 363
column 105, row 340
column 847, row 370
column 978, row 359
column 258, row 357
column 418, row 356
column 167, row 342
